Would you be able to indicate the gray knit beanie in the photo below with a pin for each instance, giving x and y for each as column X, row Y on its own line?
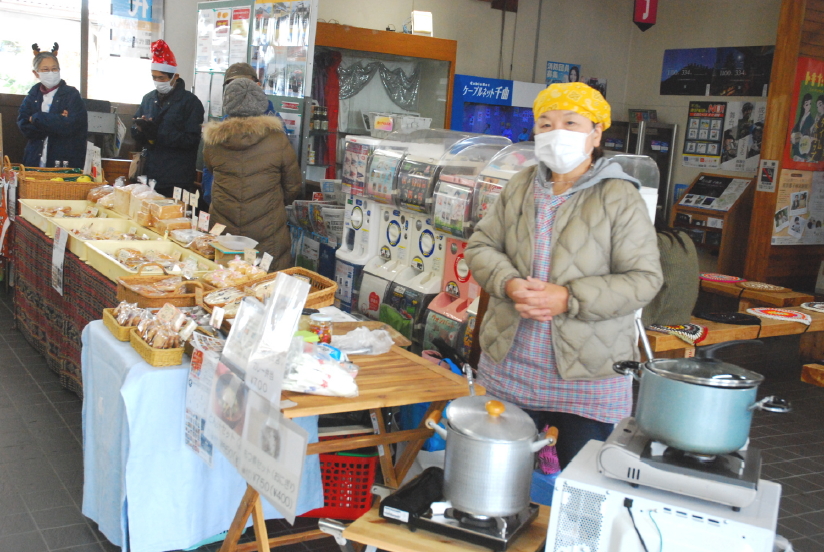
column 244, row 98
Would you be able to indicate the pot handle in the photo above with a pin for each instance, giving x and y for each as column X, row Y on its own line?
column 708, row 351
column 628, row 367
column 549, row 440
column 432, row 423
column 772, row 404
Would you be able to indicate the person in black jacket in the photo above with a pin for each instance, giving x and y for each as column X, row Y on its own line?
column 52, row 117
column 167, row 124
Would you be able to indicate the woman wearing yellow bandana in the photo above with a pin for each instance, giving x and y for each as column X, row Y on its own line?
column 568, row 255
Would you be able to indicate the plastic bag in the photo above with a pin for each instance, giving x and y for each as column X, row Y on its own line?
column 362, row 341
column 315, row 373
column 95, row 194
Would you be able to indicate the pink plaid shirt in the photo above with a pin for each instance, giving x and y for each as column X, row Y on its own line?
column 528, row 376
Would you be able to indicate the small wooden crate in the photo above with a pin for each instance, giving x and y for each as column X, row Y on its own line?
column 120, row 332
column 158, row 358
column 126, row 291
column 323, row 289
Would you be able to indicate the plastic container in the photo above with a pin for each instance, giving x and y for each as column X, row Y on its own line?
column 101, row 257
column 236, row 243
column 321, row 325
column 77, row 245
column 28, row 210
column 347, row 486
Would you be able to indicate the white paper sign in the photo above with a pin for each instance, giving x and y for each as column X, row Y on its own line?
column 216, row 96
column 58, row 257
column 185, row 196
column 767, row 173
column 227, row 413
column 198, row 390
column 266, row 262
column 203, row 86
column 274, row 450
column 203, row 221
column 177, row 193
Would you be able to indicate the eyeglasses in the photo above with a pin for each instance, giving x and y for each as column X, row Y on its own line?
column 55, row 70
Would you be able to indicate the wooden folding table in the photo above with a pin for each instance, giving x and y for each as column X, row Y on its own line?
column 397, row 378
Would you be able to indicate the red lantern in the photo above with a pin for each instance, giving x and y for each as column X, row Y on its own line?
column 646, row 12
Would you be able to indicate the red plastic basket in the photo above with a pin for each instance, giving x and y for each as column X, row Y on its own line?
column 347, row 486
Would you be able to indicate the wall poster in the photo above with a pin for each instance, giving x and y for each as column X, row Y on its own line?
column 743, row 131
column 702, row 144
column 562, row 72
column 131, row 29
column 799, row 209
column 804, row 149
column 739, row 71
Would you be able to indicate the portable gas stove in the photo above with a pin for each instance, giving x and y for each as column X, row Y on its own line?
column 420, row 505
column 631, row 456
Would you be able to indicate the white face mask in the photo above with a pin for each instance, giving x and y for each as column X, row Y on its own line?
column 164, row 87
column 562, row 150
column 49, row 80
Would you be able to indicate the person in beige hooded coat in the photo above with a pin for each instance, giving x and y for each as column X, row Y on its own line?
column 568, row 254
column 255, row 171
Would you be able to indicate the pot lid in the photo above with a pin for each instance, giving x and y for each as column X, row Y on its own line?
column 490, row 420
column 708, row 372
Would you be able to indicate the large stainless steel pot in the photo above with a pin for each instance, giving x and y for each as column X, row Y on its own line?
column 490, row 455
column 700, row 405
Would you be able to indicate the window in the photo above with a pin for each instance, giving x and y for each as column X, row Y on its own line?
column 120, row 34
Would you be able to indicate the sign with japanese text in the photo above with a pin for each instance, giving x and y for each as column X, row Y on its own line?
column 494, row 106
column 481, row 90
column 562, row 72
column 702, row 144
column 646, row 12
column 131, row 28
column 799, row 209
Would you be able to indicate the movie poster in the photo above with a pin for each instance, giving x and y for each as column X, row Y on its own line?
column 804, row 149
column 562, row 72
column 743, row 132
column 739, row 71
column 688, row 72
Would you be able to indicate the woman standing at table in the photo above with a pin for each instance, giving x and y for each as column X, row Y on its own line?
column 568, row 254
column 53, row 117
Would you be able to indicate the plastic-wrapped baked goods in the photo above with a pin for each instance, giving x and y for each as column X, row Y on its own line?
column 238, row 272
column 107, row 201
column 172, row 224
column 136, row 204
column 128, row 314
column 185, row 235
column 123, row 196
column 165, row 209
column 221, row 297
column 95, row 194
column 202, row 245
column 263, row 289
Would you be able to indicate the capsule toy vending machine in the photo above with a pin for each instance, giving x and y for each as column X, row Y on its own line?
column 412, row 291
column 359, row 243
column 392, row 258
column 495, row 176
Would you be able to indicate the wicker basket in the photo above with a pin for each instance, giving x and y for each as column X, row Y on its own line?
column 33, row 188
column 126, row 291
column 120, row 332
column 158, row 358
column 323, row 289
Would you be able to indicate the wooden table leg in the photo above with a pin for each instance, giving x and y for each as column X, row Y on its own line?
column 385, row 451
column 261, row 533
column 247, row 504
column 812, row 347
column 412, row 449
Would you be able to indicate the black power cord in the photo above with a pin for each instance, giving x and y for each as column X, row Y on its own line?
column 628, row 506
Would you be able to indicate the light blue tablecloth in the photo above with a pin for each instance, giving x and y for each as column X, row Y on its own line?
column 141, row 481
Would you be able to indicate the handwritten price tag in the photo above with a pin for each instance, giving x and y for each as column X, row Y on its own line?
column 217, row 229
column 177, row 194
column 203, row 221
column 266, row 262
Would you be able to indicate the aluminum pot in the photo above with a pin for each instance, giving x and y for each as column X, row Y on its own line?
column 699, row 405
column 490, row 455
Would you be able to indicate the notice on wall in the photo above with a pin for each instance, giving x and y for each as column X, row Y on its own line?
column 562, row 72
column 239, row 37
column 203, row 86
column 743, row 131
column 220, row 39
column 799, row 215
column 205, row 31
column 804, row 149
column 131, row 29
column 702, row 143
column 58, row 256
column 767, row 176
column 216, row 95
column 718, row 193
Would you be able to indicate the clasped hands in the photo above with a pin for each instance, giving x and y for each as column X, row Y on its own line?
column 537, row 300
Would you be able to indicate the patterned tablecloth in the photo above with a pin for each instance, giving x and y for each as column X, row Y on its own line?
column 50, row 323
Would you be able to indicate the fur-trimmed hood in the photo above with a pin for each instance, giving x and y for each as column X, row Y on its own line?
column 239, row 133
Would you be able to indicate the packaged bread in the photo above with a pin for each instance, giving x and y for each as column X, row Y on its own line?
column 166, row 209
column 185, row 236
column 128, row 314
column 221, row 297
column 143, row 219
column 202, row 245
column 238, row 272
column 263, row 290
column 137, row 200
column 123, row 196
column 163, row 225
column 107, row 201
column 95, row 194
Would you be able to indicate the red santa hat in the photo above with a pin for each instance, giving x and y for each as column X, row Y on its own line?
column 162, row 58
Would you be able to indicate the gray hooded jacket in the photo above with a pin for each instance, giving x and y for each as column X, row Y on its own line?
column 604, row 250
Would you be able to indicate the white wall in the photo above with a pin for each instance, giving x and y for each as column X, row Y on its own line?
column 693, row 24
column 180, row 33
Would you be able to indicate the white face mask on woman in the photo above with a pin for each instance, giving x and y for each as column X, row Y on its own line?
column 562, row 150
column 49, row 80
column 164, row 87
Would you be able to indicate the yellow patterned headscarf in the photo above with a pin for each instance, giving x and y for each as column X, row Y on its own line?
column 574, row 96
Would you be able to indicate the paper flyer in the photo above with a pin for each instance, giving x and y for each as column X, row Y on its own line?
column 58, row 257
column 562, row 72
column 799, row 209
column 227, row 412
column 216, row 95
column 767, row 176
column 205, row 28
column 220, row 40
column 203, row 86
column 804, row 148
column 198, row 390
column 239, row 38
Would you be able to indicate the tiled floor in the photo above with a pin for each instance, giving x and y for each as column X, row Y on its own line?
column 41, row 462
